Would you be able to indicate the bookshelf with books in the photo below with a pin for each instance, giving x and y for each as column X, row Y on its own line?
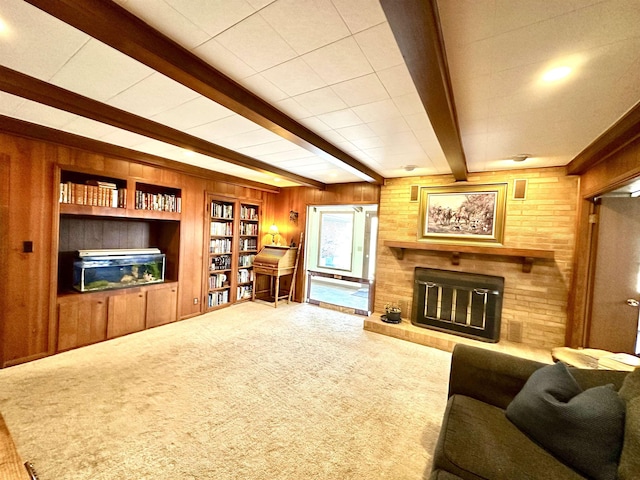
column 221, row 252
column 249, row 229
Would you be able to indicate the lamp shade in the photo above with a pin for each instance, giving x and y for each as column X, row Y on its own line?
column 273, row 230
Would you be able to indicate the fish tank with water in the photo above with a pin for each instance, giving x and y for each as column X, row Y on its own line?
column 95, row 270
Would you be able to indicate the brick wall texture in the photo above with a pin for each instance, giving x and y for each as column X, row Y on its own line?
column 534, row 303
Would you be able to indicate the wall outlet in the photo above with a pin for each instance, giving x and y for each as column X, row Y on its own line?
column 195, row 301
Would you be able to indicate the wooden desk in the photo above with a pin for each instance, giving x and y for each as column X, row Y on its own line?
column 274, row 261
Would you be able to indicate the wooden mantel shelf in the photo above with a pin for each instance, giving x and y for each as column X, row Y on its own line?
column 528, row 255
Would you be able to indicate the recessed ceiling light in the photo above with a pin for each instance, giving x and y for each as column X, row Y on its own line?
column 556, row 74
column 4, row 28
column 409, row 168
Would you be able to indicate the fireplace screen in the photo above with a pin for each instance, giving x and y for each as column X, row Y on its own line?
column 467, row 304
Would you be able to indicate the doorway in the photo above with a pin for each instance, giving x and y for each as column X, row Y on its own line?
column 340, row 256
column 616, row 284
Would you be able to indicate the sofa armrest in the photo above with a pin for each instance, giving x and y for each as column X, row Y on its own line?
column 489, row 376
column 495, row 378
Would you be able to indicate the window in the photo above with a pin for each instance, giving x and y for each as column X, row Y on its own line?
column 336, row 240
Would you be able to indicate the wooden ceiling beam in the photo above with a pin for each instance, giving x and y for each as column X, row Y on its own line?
column 24, row 86
column 30, row 130
column 416, row 28
column 111, row 24
column 619, row 135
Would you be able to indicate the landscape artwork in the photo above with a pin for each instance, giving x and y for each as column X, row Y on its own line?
column 469, row 214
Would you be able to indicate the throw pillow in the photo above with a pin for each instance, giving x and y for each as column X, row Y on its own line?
column 584, row 429
column 630, row 456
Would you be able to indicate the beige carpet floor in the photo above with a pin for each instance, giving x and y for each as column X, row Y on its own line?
column 247, row 392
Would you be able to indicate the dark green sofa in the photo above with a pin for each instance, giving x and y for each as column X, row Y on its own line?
column 476, row 440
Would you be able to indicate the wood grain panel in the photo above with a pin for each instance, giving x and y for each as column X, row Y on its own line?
column 126, row 313
column 161, row 305
column 4, row 239
column 11, row 465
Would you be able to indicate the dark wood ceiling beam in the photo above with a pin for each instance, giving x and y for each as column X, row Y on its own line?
column 47, row 134
column 113, row 25
column 36, row 90
column 416, row 27
column 619, row 135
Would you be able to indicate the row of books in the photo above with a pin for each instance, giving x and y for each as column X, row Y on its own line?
column 218, row 298
column 221, row 228
column 245, row 276
column 218, row 280
column 221, row 210
column 248, row 244
column 93, row 193
column 246, row 260
column 245, row 291
column 248, row 213
column 162, row 202
column 221, row 263
column 248, row 228
column 220, row 245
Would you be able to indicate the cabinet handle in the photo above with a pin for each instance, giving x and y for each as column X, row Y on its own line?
column 99, row 303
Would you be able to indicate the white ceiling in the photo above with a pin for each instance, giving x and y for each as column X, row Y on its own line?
column 334, row 66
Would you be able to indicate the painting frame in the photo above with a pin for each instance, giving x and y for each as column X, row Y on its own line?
column 463, row 214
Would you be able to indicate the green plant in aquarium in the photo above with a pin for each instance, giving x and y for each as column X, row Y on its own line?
column 153, row 270
column 97, row 284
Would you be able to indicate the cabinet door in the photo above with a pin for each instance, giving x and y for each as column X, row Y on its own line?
column 161, row 305
column 126, row 313
column 81, row 321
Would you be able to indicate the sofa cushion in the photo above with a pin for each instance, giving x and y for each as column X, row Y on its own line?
column 477, row 442
column 582, row 428
column 630, row 457
column 443, row 475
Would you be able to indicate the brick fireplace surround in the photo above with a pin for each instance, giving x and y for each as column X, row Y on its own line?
column 535, row 304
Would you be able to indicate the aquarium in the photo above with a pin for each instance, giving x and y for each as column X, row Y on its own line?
column 95, row 270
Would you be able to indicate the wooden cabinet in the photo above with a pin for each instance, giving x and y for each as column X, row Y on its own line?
column 81, row 321
column 233, row 237
column 161, row 305
column 127, row 311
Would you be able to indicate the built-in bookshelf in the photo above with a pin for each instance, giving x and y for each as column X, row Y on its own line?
column 77, row 188
column 248, row 235
column 221, row 229
column 157, row 198
column 233, row 229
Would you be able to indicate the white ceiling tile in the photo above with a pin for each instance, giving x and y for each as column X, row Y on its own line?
column 397, row 80
column 360, row 14
column 155, row 94
column 315, row 124
column 340, row 118
column 466, row 21
column 418, row 121
column 248, row 139
column 368, row 143
column 89, row 128
column 42, row 114
column 225, row 127
column 258, row 4
column 213, row 16
column 36, row 43
column 306, row 24
column 100, row 72
column 9, row 103
column 380, row 47
column 356, row 132
column 256, row 43
column 389, row 126
column 333, row 136
column 409, row 104
column 320, row 101
column 361, row 90
column 294, row 77
column 124, row 138
column 166, row 19
column 372, row 112
column 289, row 155
column 263, row 88
column 223, row 60
column 198, row 111
column 339, row 61
column 278, row 146
column 292, row 108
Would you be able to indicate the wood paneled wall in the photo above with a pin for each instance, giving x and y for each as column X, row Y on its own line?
column 617, row 170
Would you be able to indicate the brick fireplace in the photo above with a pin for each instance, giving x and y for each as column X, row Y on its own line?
column 535, row 302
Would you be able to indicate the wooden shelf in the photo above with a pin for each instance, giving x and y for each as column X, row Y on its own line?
column 95, row 211
column 527, row 255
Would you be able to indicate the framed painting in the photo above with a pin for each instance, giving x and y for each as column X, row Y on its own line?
column 463, row 214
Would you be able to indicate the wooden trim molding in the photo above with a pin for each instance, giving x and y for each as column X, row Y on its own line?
column 113, row 25
column 22, row 128
column 526, row 255
column 45, row 93
column 416, row 27
column 621, row 134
